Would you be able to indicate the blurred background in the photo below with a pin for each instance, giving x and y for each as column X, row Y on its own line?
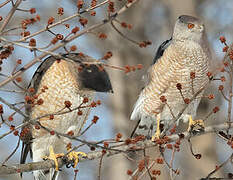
column 152, row 20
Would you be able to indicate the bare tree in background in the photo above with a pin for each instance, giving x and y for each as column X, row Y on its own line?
column 120, row 29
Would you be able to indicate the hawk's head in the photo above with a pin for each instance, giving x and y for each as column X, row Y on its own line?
column 188, row 28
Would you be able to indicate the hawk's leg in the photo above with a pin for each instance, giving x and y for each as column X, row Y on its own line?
column 157, row 134
column 195, row 125
column 74, row 156
column 53, row 157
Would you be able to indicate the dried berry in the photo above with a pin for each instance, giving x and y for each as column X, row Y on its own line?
column 222, row 39
column 67, row 104
column 32, row 10
column 216, row 109
column 51, row 20
column 163, row 99
column 95, row 119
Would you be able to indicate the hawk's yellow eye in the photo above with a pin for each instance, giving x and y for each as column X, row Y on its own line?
column 190, row 25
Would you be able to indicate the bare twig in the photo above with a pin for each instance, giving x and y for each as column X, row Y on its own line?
column 146, row 160
column 4, row 3
column 174, row 120
column 85, row 130
column 171, row 163
column 100, row 166
column 124, row 36
column 149, row 167
column 13, row 107
column 10, row 14
column 13, row 152
column 220, row 166
column 224, row 96
column 168, row 165
column 230, row 86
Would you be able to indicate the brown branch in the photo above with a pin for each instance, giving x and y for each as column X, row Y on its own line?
column 220, row 166
column 12, row 153
column 10, row 14
column 146, row 160
column 4, row 3
column 43, row 165
column 63, row 43
column 230, row 50
column 35, row 120
column 13, row 107
column 100, row 166
column 123, row 35
column 62, row 21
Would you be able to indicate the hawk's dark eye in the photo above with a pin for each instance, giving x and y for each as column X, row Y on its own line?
column 190, row 25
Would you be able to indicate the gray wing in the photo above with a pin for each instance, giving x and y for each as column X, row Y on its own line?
column 136, row 114
column 27, row 138
column 161, row 50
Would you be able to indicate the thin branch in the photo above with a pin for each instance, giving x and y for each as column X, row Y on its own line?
column 124, row 36
column 149, row 167
column 198, row 156
column 220, row 166
column 33, row 121
column 146, row 165
column 167, row 164
column 174, row 120
column 171, row 163
column 100, row 166
column 224, row 96
column 10, row 14
column 85, row 130
column 13, row 152
column 4, row 3
column 13, row 107
column 230, row 88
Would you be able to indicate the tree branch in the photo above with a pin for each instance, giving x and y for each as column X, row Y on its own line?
column 63, row 43
column 10, row 14
column 43, row 165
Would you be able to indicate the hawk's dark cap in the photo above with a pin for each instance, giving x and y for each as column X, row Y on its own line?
column 92, row 76
column 187, row 19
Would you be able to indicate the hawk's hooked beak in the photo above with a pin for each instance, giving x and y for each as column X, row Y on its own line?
column 200, row 27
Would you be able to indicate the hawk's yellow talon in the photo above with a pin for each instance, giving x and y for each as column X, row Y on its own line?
column 53, row 157
column 75, row 156
column 157, row 134
column 193, row 124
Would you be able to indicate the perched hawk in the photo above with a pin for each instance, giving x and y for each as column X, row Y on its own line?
column 186, row 53
column 54, row 83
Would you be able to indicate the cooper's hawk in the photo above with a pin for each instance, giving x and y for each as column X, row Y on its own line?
column 186, row 54
column 56, row 85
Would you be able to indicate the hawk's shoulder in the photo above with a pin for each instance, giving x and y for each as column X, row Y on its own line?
column 41, row 70
column 161, row 50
